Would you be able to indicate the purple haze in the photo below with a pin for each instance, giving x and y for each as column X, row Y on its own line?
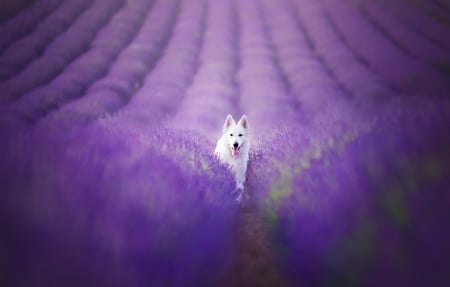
column 109, row 112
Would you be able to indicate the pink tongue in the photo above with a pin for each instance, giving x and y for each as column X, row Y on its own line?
column 235, row 153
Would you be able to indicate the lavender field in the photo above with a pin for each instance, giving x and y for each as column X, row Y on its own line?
column 109, row 115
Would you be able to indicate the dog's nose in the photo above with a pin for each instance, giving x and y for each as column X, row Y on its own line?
column 235, row 145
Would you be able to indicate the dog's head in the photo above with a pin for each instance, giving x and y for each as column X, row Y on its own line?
column 236, row 134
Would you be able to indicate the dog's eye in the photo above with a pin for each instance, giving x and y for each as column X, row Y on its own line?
column 240, row 135
column 231, row 135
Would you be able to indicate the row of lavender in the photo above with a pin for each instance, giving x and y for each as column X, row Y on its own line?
column 18, row 54
column 317, row 36
column 379, row 47
column 79, row 74
column 25, row 21
column 119, row 202
column 111, row 188
column 112, row 208
column 126, row 77
column 358, row 196
column 361, row 202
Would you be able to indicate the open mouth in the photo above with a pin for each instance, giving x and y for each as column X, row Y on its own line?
column 235, row 151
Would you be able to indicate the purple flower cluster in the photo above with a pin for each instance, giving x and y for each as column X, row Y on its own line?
column 366, row 38
column 107, row 208
column 360, row 204
column 126, row 75
column 109, row 113
column 18, row 55
column 24, row 22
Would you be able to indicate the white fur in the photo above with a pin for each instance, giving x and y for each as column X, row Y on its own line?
column 235, row 133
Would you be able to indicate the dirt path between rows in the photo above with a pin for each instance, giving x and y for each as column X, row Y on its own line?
column 254, row 264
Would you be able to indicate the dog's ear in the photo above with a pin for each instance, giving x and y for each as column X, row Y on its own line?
column 228, row 122
column 243, row 121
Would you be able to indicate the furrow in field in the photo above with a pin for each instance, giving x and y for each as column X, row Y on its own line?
column 263, row 94
column 125, row 77
column 433, row 9
column 407, row 74
column 164, row 87
column 10, row 9
column 406, row 39
column 419, row 22
column 58, row 55
column 22, row 52
column 86, row 69
column 311, row 82
column 281, row 38
column 25, row 22
column 212, row 94
column 351, row 71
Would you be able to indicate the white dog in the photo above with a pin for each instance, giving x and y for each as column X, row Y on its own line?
column 232, row 148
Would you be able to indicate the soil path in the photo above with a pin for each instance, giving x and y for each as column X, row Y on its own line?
column 254, row 264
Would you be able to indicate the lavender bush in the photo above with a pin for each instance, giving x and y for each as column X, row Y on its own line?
column 19, row 54
column 377, row 49
column 113, row 208
column 109, row 113
column 353, row 206
column 60, row 53
column 23, row 22
column 126, row 75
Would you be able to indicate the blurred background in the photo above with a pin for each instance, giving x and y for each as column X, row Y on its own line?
column 109, row 115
